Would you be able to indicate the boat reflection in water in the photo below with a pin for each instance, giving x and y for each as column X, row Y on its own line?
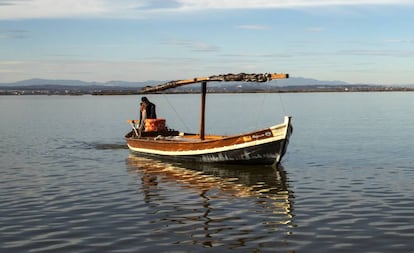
column 213, row 204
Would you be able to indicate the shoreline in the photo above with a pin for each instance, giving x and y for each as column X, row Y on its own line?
column 122, row 91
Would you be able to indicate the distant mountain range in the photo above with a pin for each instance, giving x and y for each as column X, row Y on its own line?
column 293, row 81
column 75, row 87
column 43, row 82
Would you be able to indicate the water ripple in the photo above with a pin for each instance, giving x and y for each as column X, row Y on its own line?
column 211, row 210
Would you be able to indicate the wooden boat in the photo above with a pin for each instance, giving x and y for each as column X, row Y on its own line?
column 264, row 146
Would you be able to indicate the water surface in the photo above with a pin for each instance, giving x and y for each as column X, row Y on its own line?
column 68, row 183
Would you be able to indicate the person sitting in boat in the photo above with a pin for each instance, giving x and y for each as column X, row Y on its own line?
column 149, row 108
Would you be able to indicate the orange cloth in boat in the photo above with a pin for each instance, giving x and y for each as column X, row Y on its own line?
column 154, row 125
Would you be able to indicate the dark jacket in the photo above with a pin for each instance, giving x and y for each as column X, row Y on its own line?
column 151, row 114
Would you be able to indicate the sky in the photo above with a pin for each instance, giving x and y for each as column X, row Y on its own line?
column 356, row 41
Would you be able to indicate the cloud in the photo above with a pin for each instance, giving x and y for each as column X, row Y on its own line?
column 399, row 41
column 314, row 29
column 193, row 45
column 10, row 2
column 191, row 5
column 252, row 27
column 160, row 4
column 248, row 4
column 13, row 34
column 29, row 9
column 393, row 53
column 102, row 71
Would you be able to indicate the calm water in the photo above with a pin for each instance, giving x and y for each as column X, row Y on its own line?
column 68, row 184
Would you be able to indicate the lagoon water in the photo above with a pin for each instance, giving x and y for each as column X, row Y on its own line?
column 68, row 183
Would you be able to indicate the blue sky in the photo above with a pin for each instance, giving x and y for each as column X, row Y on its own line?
column 357, row 41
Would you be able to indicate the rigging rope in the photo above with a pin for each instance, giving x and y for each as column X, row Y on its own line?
column 176, row 113
column 260, row 109
column 281, row 100
column 268, row 87
column 281, row 103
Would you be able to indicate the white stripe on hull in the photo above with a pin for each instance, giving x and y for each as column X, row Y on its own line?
column 205, row 151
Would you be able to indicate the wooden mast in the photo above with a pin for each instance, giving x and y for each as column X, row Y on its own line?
column 203, row 109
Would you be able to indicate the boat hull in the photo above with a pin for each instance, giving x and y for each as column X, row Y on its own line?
column 266, row 146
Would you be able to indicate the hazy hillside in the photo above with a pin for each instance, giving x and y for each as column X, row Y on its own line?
column 44, row 82
column 294, row 81
column 77, row 87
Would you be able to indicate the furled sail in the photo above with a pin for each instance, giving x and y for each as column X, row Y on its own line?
column 241, row 77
